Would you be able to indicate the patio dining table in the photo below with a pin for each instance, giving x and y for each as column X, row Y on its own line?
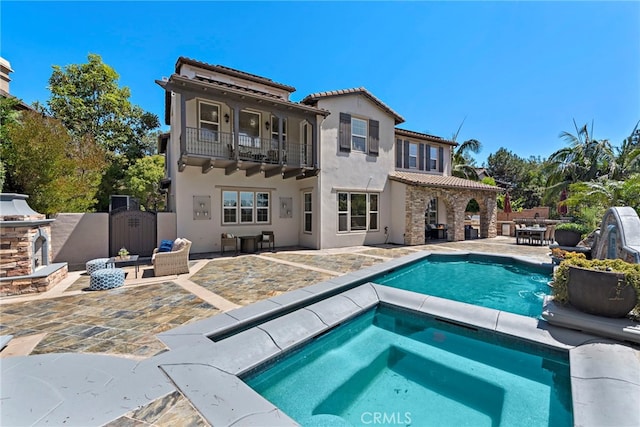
column 527, row 233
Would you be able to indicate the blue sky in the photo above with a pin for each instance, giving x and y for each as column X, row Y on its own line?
column 518, row 73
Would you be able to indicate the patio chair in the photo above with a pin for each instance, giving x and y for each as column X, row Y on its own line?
column 550, row 234
column 174, row 262
column 268, row 238
column 228, row 240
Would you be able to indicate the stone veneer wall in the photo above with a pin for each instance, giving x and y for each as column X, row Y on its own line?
column 16, row 249
column 29, row 285
column 456, row 201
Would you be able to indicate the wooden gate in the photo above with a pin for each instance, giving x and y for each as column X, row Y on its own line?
column 132, row 229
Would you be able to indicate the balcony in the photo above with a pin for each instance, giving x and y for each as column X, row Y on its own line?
column 211, row 149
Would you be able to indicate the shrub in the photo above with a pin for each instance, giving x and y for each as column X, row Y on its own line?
column 573, row 226
column 561, row 275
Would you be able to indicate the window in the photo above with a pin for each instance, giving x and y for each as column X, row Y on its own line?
column 305, row 139
column 209, row 121
column 343, row 211
column 373, row 212
column 274, row 132
column 358, row 134
column 245, row 207
column 433, row 158
column 413, row 156
column 262, row 207
column 229, row 207
column 357, row 212
column 249, row 129
column 431, row 213
column 308, row 216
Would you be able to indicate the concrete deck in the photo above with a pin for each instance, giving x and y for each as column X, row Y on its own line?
column 71, row 332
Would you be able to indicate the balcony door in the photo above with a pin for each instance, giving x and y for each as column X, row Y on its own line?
column 249, row 130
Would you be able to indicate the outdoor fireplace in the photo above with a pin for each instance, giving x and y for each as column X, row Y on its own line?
column 25, row 248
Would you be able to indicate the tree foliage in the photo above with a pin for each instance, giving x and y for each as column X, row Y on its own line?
column 59, row 173
column 523, row 177
column 87, row 99
column 142, row 181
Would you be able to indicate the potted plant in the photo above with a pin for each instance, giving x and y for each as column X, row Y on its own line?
column 123, row 253
column 604, row 287
column 570, row 233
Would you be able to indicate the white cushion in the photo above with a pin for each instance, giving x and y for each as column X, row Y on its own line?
column 178, row 244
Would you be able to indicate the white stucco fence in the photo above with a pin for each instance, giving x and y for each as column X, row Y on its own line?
column 79, row 237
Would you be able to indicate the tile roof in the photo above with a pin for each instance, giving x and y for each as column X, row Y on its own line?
column 231, row 72
column 427, row 180
column 424, row 136
column 231, row 88
column 314, row 97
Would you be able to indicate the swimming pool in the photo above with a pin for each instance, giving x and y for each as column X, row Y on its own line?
column 394, row 367
column 492, row 282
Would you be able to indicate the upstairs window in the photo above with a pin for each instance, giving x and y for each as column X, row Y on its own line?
column 358, row 134
column 209, row 121
column 433, row 158
column 413, row 156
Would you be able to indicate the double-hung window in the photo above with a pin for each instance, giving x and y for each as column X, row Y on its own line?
column 413, row 156
column 357, row 212
column 209, row 121
column 245, row 207
column 358, row 134
column 433, row 158
column 308, row 216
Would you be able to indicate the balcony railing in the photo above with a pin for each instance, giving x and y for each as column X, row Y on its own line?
column 208, row 143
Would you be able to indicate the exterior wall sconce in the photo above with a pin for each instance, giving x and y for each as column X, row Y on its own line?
column 267, row 125
column 226, row 117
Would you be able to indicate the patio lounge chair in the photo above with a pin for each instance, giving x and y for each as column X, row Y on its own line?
column 174, row 262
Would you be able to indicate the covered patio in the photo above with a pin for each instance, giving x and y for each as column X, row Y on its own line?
column 455, row 193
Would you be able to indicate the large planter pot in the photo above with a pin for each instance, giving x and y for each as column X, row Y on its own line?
column 567, row 237
column 602, row 293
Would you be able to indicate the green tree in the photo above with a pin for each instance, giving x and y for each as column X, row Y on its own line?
column 142, row 181
column 523, row 177
column 89, row 101
column 58, row 173
column 599, row 195
column 8, row 115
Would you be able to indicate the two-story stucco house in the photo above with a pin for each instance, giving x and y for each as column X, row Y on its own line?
column 330, row 171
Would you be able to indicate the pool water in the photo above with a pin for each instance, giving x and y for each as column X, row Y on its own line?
column 397, row 368
column 475, row 279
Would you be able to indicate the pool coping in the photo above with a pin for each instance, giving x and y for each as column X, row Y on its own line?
column 605, row 375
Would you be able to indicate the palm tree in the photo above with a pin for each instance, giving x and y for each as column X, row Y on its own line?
column 627, row 159
column 463, row 165
column 585, row 159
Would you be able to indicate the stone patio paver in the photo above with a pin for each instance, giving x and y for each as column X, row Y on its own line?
column 250, row 278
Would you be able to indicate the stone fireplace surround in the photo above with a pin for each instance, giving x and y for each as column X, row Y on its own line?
column 25, row 249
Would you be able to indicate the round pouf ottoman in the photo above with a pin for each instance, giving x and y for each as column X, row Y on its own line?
column 96, row 264
column 106, row 278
